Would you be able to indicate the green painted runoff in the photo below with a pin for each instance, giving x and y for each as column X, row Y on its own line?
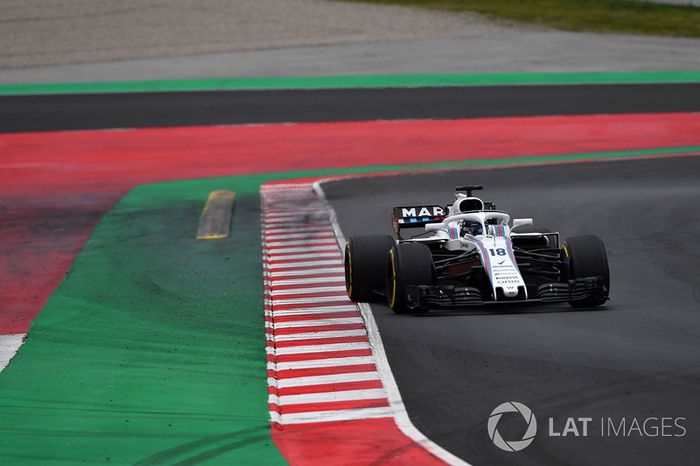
column 354, row 81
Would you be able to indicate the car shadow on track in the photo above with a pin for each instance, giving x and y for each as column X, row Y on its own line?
column 502, row 310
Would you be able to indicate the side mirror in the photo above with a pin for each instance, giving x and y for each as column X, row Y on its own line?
column 521, row 221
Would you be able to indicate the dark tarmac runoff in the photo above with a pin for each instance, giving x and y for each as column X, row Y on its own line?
column 637, row 357
column 167, row 109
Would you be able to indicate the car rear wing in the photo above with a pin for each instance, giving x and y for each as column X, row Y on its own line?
column 416, row 216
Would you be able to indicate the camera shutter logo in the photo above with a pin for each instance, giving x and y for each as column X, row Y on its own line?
column 528, row 416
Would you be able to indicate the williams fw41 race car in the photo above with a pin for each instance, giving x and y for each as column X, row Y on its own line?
column 469, row 254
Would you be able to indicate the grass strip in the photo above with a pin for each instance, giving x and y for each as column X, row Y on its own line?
column 626, row 16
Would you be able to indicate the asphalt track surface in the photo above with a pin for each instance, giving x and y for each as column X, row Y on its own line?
column 638, row 356
column 135, row 110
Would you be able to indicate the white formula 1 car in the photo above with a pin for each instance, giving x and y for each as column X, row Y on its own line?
column 469, row 254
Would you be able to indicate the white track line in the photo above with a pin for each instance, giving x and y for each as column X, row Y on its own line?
column 9, row 345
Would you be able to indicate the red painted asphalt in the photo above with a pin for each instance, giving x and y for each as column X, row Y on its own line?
column 55, row 186
column 366, row 441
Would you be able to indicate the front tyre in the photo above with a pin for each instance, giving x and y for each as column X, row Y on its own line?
column 586, row 257
column 365, row 266
column 408, row 264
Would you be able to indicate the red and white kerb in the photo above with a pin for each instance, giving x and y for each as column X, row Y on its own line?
column 320, row 363
column 328, row 401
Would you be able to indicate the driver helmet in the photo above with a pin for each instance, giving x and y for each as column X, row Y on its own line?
column 470, row 227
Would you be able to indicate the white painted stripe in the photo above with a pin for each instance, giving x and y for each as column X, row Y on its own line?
column 313, row 299
column 320, row 334
column 322, row 379
column 330, row 247
column 398, row 408
column 287, row 186
column 287, row 225
column 308, row 281
column 268, row 208
column 293, row 213
column 296, row 219
column 287, row 209
column 334, row 362
column 288, row 192
column 9, row 345
column 315, row 323
column 300, row 216
column 289, row 203
column 289, row 265
column 318, row 289
column 306, row 272
column 318, row 348
column 288, row 196
column 307, row 248
column 321, row 234
column 313, row 310
column 328, row 397
column 330, row 416
column 291, row 230
column 296, row 227
column 301, row 242
column 310, row 255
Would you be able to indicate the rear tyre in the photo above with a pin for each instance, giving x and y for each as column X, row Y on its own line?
column 408, row 264
column 586, row 257
column 365, row 266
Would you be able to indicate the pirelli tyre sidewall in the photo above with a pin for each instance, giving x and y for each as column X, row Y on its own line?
column 365, row 266
column 407, row 264
column 586, row 257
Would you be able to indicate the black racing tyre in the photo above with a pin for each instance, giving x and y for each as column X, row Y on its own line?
column 365, row 265
column 408, row 264
column 586, row 257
